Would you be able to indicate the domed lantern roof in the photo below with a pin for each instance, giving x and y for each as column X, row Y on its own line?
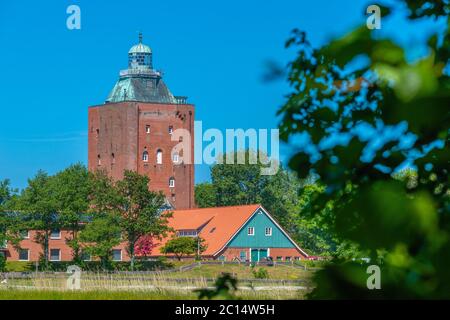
column 140, row 47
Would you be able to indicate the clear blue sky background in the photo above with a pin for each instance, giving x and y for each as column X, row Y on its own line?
column 215, row 52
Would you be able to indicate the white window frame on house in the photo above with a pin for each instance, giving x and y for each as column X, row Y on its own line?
column 27, row 236
column 176, row 158
column 115, row 250
column 187, row 233
column 268, row 231
column 28, row 254
column 159, row 156
column 86, row 254
column 251, row 231
column 59, row 254
column 145, row 156
column 147, row 129
column 172, row 182
column 52, row 237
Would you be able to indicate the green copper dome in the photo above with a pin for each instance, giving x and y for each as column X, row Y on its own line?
column 140, row 48
column 140, row 82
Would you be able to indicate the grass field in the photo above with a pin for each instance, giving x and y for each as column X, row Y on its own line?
column 284, row 282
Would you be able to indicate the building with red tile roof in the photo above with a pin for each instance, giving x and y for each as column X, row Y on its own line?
column 244, row 233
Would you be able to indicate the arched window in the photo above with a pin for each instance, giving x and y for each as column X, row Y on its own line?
column 145, row 156
column 159, row 156
column 172, row 182
column 99, row 160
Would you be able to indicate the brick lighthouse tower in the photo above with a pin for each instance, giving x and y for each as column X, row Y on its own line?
column 137, row 129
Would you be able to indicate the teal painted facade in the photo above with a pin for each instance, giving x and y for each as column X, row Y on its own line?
column 259, row 222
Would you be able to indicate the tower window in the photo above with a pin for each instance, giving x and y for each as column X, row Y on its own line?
column 147, row 129
column 99, row 160
column 172, row 182
column 145, row 156
column 170, row 129
column 159, row 156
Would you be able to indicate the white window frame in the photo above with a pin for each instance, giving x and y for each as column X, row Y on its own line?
column 28, row 255
column 176, row 158
column 147, row 129
column 53, row 237
column 268, row 234
column 159, row 157
column 121, row 257
column 59, row 254
column 27, row 236
column 85, row 253
column 145, row 156
column 251, row 231
column 172, row 183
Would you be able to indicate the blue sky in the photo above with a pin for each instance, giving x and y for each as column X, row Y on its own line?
column 215, row 52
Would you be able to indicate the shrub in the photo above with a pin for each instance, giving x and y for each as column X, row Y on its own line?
column 261, row 273
column 2, row 263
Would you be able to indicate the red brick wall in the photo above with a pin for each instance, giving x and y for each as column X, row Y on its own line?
column 122, row 132
column 35, row 249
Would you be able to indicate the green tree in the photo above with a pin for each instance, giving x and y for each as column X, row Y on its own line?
column 238, row 184
column 100, row 236
column 71, row 189
column 285, row 196
column 346, row 115
column 205, row 195
column 183, row 246
column 130, row 199
column 38, row 207
column 10, row 222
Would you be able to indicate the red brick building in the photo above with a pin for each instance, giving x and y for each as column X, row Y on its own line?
column 243, row 233
column 137, row 129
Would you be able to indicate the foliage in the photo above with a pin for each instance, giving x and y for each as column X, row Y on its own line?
column 71, row 190
column 362, row 125
column 285, row 196
column 224, row 289
column 205, row 195
column 100, row 236
column 137, row 208
column 261, row 273
column 38, row 206
column 184, row 246
column 144, row 246
column 2, row 263
column 10, row 227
